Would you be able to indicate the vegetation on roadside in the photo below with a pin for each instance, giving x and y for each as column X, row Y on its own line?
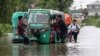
column 5, row 28
column 7, row 7
column 61, row 5
column 92, row 21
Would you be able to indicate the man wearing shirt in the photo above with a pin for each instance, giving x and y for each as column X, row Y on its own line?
column 74, row 29
column 21, row 30
column 63, row 29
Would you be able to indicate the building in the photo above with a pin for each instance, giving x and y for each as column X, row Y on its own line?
column 94, row 9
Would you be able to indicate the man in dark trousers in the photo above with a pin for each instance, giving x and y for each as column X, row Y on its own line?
column 21, row 30
column 63, row 28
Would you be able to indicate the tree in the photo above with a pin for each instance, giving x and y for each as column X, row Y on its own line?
column 62, row 5
column 6, row 10
column 8, row 7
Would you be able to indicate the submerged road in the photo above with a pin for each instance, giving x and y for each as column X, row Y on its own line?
column 88, row 45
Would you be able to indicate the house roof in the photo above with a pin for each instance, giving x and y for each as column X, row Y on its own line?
column 95, row 3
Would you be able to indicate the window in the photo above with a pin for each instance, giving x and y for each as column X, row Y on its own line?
column 38, row 18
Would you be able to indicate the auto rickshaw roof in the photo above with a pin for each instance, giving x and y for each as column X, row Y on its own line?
column 49, row 10
column 15, row 18
column 56, row 12
column 16, row 14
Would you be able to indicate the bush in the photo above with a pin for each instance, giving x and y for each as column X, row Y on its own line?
column 92, row 21
column 1, row 33
column 98, row 23
column 5, row 28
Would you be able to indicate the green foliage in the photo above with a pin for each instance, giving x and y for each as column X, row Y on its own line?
column 61, row 5
column 92, row 21
column 1, row 33
column 96, row 15
column 7, row 7
column 5, row 28
column 98, row 23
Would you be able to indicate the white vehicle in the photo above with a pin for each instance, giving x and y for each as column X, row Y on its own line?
column 79, row 17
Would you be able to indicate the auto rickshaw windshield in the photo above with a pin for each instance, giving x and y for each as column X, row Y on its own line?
column 38, row 18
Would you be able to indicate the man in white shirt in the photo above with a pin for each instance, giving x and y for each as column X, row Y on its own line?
column 74, row 29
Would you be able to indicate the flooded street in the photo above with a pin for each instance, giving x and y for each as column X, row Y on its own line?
column 88, row 45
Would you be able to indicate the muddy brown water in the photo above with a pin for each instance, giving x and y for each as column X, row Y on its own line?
column 88, row 45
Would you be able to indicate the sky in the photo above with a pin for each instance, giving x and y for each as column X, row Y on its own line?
column 76, row 4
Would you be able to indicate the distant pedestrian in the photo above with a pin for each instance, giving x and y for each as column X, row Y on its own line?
column 74, row 29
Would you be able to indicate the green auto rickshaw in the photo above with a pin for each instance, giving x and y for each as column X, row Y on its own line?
column 39, row 25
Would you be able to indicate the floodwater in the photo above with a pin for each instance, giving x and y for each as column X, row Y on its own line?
column 40, row 50
column 88, row 45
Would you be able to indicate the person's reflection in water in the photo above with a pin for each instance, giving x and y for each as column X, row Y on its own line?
column 61, row 50
column 41, row 50
column 51, row 50
column 19, row 50
column 23, row 51
column 58, row 50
